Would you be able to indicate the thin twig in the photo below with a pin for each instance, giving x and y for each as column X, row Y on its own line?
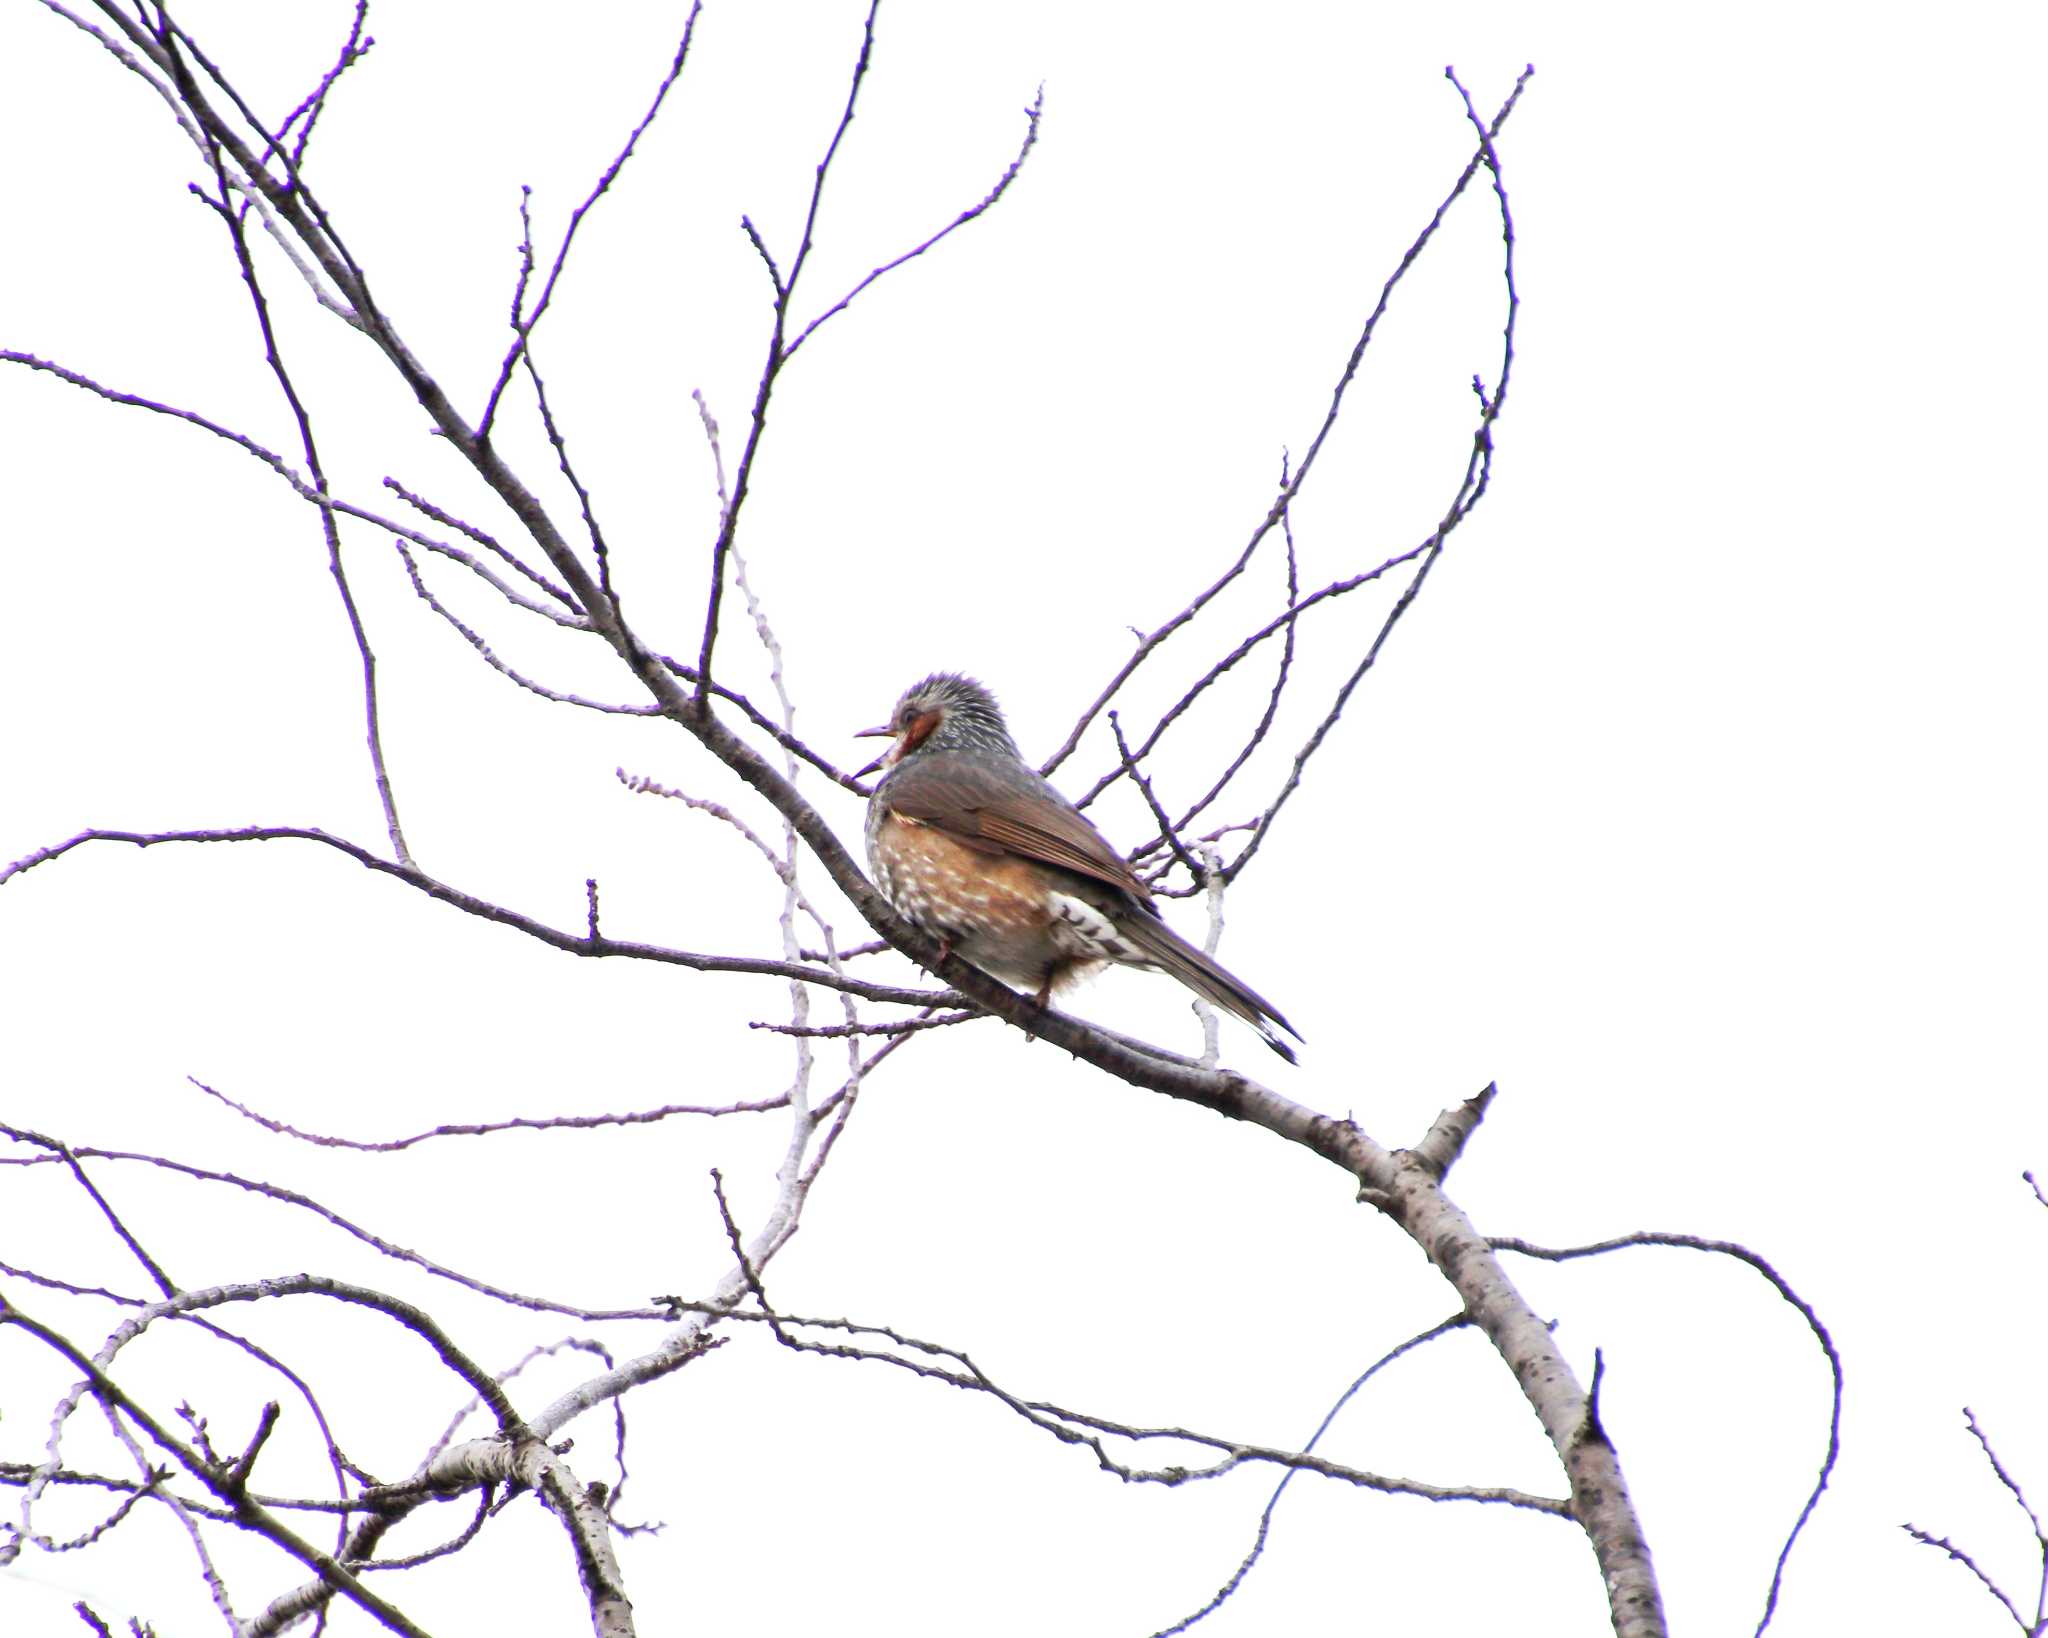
column 574, row 943
column 1741, row 1254
column 1472, row 489
column 490, row 657
column 1943, row 1544
column 1129, row 764
column 517, row 1123
column 778, row 355
column 1149, row 644
column 907, row 1026
column 491, row 544
column 1265, row 723
column 524, row 324
column 1258, row 1547
column 1031, row 120
column 334, row 1219
column 353, row 48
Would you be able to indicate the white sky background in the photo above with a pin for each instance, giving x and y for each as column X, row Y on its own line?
column 1698, row 802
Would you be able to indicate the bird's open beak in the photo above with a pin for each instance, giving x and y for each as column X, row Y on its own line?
column 884, row 732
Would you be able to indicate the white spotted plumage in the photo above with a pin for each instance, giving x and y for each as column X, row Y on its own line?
column 1079, row 929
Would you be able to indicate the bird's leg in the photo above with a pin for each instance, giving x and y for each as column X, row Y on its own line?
column 1055, row 970
column 1042, row 1000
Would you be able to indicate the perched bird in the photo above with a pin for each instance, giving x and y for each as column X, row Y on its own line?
column 968, row 841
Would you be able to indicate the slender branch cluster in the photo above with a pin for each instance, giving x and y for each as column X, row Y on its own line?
column 2033, row 1623
column 571, row 579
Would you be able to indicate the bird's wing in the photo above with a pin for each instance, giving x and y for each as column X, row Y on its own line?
column 998, row 811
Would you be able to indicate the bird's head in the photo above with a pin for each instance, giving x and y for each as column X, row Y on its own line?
column 945, row 712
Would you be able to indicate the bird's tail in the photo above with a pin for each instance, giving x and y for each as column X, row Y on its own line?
column 1171, row 953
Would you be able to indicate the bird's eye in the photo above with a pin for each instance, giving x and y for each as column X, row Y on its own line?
column 917, row 728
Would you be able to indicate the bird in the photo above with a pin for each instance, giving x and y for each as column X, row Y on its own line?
column 970, row 843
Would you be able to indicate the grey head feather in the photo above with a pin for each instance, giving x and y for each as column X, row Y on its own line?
column 969, row 718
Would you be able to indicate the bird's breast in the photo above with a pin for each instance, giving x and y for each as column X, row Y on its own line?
column 939, row 881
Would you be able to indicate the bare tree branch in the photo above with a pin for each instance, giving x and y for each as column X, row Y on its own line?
column 518, row 1123
column 1229, row 1588
column 524, row 321
column 1404, row 1185
column 248, row 1512
column 573, row 943
column 1290, row 489
column 1031, row 119
column 1741, row 1254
